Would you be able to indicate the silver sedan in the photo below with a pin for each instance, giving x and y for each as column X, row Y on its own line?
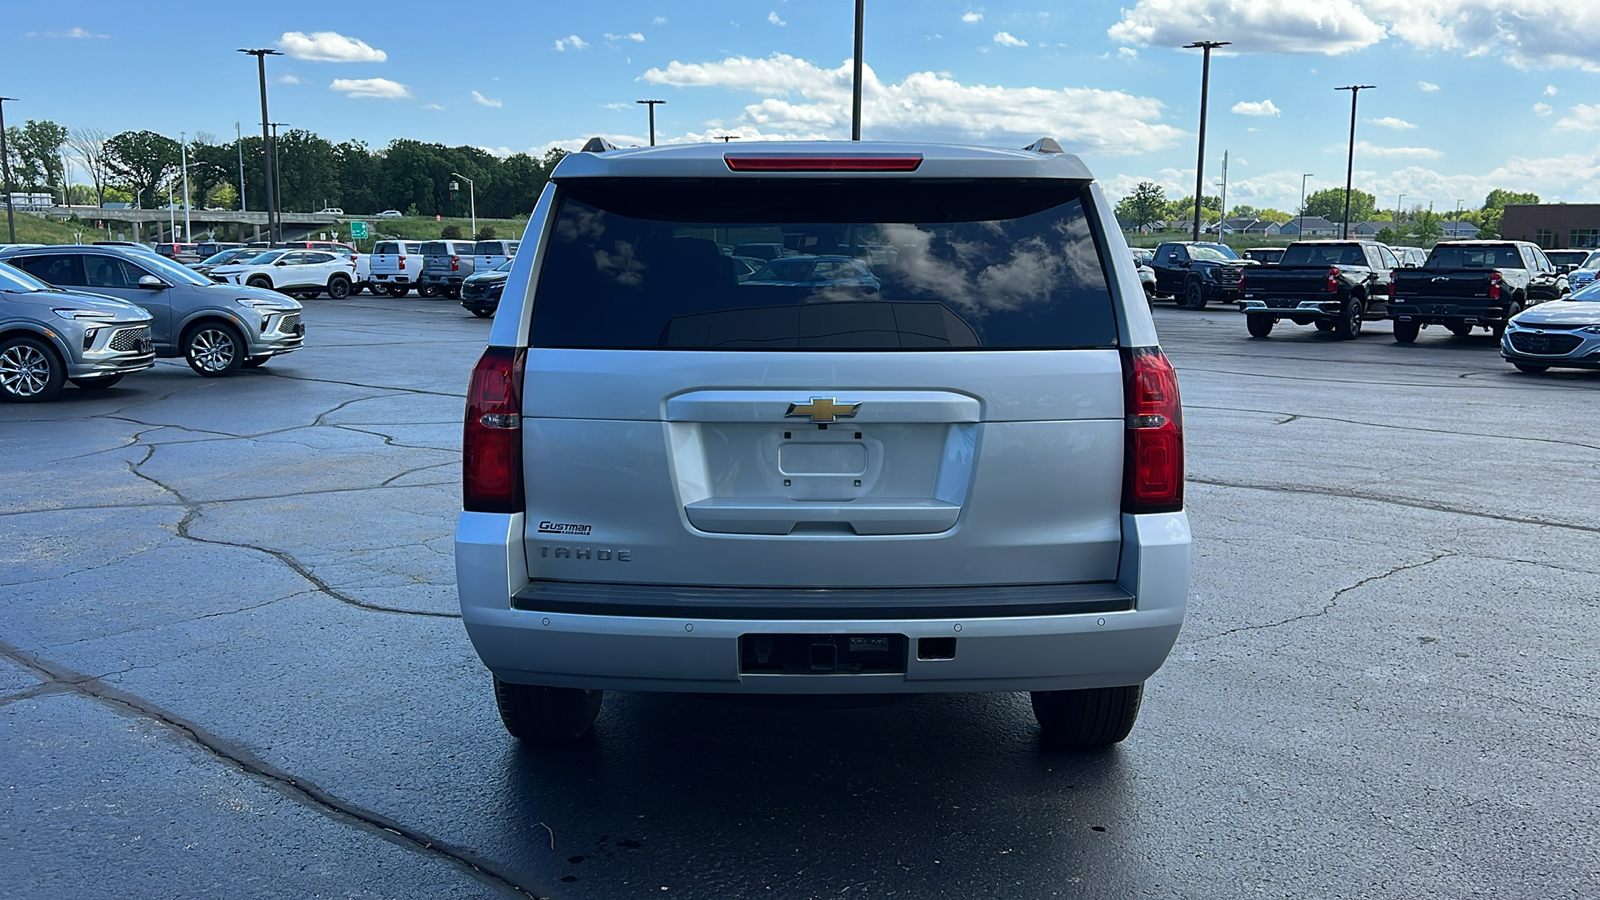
column 1564, row 334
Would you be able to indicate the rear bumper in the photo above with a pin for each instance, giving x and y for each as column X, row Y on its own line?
column 1291, row 307
column 389, row 278
column 684, row 639
column 1446, row 314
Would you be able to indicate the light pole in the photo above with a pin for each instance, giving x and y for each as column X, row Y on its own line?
column 726, row 137
column 1301, row 234
column 855, row 88
column 5, row 163
column 1350, row 168
column 652, row 104
column 1205, row 88
column 472, row 192
column 183, row 155
column 274, row 232
column 238, row 139
column 172, row 223
column 277, row 174
column 1399, row 210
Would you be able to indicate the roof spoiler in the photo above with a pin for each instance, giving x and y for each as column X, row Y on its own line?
column 1045, row 145
column 597, row 145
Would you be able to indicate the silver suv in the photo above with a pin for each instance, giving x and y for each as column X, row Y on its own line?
column 218, row 328
column 963, row 475
column 49, row 337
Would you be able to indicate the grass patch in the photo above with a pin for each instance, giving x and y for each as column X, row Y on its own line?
column 33, row 229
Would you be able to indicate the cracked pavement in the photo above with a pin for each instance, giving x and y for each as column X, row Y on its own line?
column 229, row 660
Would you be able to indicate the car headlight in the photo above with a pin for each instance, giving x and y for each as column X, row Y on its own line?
column 68, row 313
column 257, row 303
column 1592, row 329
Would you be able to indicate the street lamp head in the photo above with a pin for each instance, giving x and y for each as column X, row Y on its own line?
column 1356, row 87
column 649, row 101
column 1206, row 45
column 265, row 51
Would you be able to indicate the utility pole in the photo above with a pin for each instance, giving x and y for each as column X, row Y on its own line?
column 1350, row 168
column 1224, row 188
column 238, row 139
column 652, row 104
column 5, row 163
column 277, row 174
column 726, row 137
column 855, row 90
column 1399, row 209
column 274, row 231
column 1205, row 89
column 1301, row 234
column 183, row 154
column 472, row 192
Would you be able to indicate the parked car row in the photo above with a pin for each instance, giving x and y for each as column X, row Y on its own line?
column 90, row 314
column 434, row 268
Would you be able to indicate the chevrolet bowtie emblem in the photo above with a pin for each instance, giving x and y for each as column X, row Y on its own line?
column 822, row 409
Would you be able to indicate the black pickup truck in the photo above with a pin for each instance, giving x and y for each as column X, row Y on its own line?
column 1472, row 284
column 1195, row 273
column 1334, row 285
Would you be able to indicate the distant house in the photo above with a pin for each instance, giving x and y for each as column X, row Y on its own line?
column 1309, row 226
column 1369, row 229
column 1242, row 225
column 1459, row 231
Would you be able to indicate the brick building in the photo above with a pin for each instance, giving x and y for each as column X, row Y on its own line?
column 1553, row 226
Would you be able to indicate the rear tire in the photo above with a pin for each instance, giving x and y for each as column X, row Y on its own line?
column 1324, row 324
column 1531, row 370
column 1096, row 717
column 338, row 287
column 1348, row 326
column 397, row 290
column 1460, row 330
column 1194, row 294
column 428, row 291
column 30, row 371
column 97, row 384
column 1260, row 326
column 546, row 715
column 1499, row 328
column 1406, row 332
column 483, row 313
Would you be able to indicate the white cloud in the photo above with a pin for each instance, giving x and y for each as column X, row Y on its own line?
column 1582, row 118
column 288, row 78
column 328, row 46
column 1550, row 90
column 773, row 18
column 972, row 15
column 1543, row 109
column 1124, row 52
column 1006, row 39
column 1528, row 34
column 1365, row 149
column 630, row 36
column 481, row 100
column 1427, row 87
column 1330, row 27
column 1392, row 122
column 573, row 41
column 1263, row 108
column 79, row 34
column 432, row 106
column 659, row 20
column 801, row 98
column 381, row 88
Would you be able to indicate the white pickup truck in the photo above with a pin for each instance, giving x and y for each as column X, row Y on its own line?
column 395, row 266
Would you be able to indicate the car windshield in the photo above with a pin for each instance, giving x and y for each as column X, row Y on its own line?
column 1589, row 292
column 906, row 265
column 264, row 259
column 218, row 259
column 1592, row 263
column 17, row 281
column 1566, row 257
column 505, row 266
column 1213, row 252
column 169, row 269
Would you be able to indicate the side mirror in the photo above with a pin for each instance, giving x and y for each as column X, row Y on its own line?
column 280, row 263
column 152, row 283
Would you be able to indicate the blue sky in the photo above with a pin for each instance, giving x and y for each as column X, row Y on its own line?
column 1471, row 94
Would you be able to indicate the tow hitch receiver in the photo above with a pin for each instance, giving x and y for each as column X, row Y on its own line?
column 822, row 654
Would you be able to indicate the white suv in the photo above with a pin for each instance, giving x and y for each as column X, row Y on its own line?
column 301, row 273
column 963, row 472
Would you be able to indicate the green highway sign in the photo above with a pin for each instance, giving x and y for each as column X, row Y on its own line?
column 358, row 231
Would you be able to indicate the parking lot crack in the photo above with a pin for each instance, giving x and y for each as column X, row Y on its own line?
column 58, row 678
column 1333, row 601
column 374, row 387
column 1397, row 427
column 1348, row 494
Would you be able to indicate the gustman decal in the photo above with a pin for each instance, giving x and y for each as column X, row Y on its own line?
column 564, row 528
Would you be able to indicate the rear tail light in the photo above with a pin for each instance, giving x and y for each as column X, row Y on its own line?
column 455, row 263
column 1333, row 280
column 1241, row 279
column 1494, row 285
column 865, row 163
column 1152, row 472
column 402, row 263
column 491, row 444
column 1391, row 284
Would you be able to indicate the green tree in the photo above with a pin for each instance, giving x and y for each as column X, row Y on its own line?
column 1182, row 209
column 141, row 160
column 450, row 233
column 1145, row 205
column 1426, row 226
column 486, row 233
column 1499, row 199
column 37, row 147
column 1329, row 204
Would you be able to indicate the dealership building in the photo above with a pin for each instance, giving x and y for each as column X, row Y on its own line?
column 1553, row 226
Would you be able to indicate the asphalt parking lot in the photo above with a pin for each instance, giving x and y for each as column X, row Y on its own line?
column 229, row 661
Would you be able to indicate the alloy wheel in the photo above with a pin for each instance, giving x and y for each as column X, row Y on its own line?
column 212, row 349
column 24, row 371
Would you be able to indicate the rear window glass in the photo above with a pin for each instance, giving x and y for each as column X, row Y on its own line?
column 388, row 247
column 1474, row 258
column 489, row 248
column 1323, row 255
column 856, row 265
